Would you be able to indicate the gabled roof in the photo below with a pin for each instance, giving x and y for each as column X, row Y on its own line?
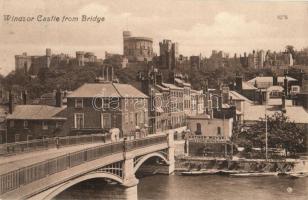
column 238, row 97
column 107, row 90
column 248, row 86
column 36, row 112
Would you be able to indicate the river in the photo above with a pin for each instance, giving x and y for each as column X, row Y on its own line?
column 198, row 187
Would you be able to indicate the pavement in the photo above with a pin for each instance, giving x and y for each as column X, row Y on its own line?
column 18, row 161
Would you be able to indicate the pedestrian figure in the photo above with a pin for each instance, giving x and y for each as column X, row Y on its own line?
column 137, row 131
column 57, row 143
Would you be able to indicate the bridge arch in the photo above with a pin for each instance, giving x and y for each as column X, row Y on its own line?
column 53, row 192
column 146, row 157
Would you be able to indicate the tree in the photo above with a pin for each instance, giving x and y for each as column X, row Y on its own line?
column 282, row 133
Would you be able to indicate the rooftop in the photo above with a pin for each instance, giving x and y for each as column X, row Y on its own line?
column 171, row 86
column 89, row 90
column 248, row 86
column 295, row 114
column 269, row 79
column 36, row 112
column 238, row 97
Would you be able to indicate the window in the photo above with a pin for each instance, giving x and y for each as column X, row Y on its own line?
column 126, row 116
column 131, row 117
column 79, row 120
column 218, row 131
column 106, row 120
column 12, row 123
column 106, row 104
column 198, row 129
column 17, row 137
column 58, row 124
column 29, row 137
column 78, row 103
column 44, row 125
column 25, row 124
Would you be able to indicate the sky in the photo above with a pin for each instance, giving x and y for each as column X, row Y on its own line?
column 198, row 26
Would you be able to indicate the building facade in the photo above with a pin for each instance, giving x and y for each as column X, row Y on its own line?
column 98, row 107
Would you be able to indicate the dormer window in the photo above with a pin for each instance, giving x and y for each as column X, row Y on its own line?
column 78, row 103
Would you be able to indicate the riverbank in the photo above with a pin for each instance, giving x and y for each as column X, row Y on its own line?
column 183, row 163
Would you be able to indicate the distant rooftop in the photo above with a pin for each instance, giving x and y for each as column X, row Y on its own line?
column 295, row 114
column 171, row 86
column 269, row 79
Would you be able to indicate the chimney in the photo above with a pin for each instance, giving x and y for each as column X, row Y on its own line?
column 220, row 102
column 275, row 80
column 58, row 98
column 238, row 83
column 260, row 97
column 145, row 85
column 225, row 95
column 24, row 97
column 285, row 86
column 172, row 77
column 159, row 78
column 11, row 102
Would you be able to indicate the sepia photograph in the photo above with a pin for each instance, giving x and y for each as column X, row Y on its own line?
column 153, row 100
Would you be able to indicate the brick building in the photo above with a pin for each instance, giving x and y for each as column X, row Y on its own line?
column 28, row 122
column 98, row 107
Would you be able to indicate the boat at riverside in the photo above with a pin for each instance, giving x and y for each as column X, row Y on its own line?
column 199, row 172
column 255, row 174
column 293, row 174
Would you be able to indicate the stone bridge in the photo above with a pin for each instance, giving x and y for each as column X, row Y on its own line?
column 116, row 161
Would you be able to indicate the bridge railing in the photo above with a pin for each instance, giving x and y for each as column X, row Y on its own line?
column 17, row 178
column 39, row 144
column 142, row 142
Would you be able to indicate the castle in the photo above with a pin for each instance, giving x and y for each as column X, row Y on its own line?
column 31, row 64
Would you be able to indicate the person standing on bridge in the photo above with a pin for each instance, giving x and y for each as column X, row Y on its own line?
column 57, row 143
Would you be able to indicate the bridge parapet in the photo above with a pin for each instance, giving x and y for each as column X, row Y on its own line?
column 21, row 177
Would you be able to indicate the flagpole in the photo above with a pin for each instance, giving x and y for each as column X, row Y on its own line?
column 266, row 134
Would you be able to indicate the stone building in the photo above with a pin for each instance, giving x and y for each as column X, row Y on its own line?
column 31, row 64
column 137, row 49
column 24, row 62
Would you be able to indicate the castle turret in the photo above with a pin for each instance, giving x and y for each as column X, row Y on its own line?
column 48, row 57
column 80, row 58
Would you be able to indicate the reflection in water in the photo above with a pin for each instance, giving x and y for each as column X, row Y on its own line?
column 198, row 187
